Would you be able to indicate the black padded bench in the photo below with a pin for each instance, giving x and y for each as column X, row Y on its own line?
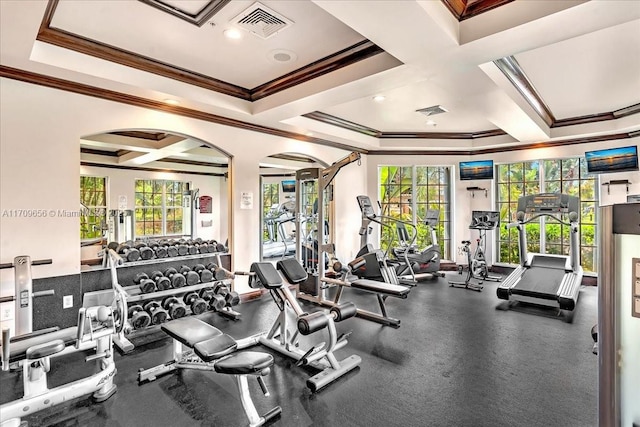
column 381, row 288
column 218, row 352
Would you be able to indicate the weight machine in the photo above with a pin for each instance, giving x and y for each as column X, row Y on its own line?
column 313, row 247
column 95, row 325
column 314, row 195
column 477, row 265
column 24, row 294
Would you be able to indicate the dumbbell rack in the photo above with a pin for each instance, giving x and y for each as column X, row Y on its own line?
column 134, row 295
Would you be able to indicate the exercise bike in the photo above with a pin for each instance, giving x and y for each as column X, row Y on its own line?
column 96, row 325
column 477, row 265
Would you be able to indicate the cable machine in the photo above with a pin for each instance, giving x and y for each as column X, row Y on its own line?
column 314, row 197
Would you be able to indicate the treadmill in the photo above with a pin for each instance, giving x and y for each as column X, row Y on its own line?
column 545, row 279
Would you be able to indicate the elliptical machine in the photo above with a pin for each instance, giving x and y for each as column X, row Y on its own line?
column 376, row 265
column 477, row 264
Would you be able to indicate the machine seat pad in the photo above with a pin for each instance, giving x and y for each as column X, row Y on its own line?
column 267, row 274
column 381, row 287
column 18, row 350
column 44, row 350
column 244, row 362
column 190, row 331
column 215, row 348
column 292, row 270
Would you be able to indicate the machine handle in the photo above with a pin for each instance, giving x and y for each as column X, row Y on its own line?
column 36, row 262
column 81, row 317
column 43, row 293
column 7, row 299
column 6, row 332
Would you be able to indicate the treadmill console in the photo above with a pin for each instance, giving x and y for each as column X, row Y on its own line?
column 484, row 220
column 366, row 207
column 548, row 203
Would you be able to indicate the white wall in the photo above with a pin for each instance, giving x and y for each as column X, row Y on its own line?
column 121, row 182
column 40, row 129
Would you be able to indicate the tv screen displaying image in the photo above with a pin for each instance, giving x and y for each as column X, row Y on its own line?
column 289, row 186
column 612, row 160
column 481, row 169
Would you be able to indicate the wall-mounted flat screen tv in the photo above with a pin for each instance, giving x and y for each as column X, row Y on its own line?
column 612, row 160
column 289, row 186
column 480, row 169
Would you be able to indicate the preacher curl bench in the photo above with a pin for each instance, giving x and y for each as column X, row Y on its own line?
column 213, row 350
column 285, row 339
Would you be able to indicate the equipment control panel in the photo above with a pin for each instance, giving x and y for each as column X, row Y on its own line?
column 548, row 203
column 365, row 206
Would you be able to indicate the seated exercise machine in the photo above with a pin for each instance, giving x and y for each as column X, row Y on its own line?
column 209, row 349
column 24, row 294
column 284, row 337
column 477, row 265
column 546, row 279
column 418, row 263
column 95, row 325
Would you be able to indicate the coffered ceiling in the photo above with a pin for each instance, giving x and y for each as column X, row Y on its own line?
column 506, row 73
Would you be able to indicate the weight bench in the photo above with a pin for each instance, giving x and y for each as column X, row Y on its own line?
column 285, row 339
column 215, row 351
column 382, row 290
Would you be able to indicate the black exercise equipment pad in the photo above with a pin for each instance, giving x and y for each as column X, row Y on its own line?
column 267, row 274
column 19, row 347
column 244, row 362
column 381, row 287
column 292, row 270
column 190, row 331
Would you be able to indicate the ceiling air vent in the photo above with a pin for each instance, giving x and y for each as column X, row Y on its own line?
column 261, row 21
column 432, row 111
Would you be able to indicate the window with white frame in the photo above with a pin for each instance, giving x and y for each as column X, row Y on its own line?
column 406, row 193
column 93, row 197
column 159, row 207
column 568, row 176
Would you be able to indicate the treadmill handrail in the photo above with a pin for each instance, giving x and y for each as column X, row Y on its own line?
column 547, row 215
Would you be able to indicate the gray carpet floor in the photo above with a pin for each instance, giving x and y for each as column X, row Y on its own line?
column 456, row 360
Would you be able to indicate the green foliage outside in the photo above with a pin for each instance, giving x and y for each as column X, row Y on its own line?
column 568, row 176
column 397, row 197
column 158, row 203
column 93, row 214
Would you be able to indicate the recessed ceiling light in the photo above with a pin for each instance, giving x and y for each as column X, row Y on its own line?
column 378, row 98
column 431, row 123
column 171, row 101
column 232, row 33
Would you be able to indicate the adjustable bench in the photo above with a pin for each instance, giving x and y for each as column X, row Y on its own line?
column 216, row 352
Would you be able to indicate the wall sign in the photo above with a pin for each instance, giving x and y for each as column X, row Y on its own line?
column 206, row 204
column 246, row 200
